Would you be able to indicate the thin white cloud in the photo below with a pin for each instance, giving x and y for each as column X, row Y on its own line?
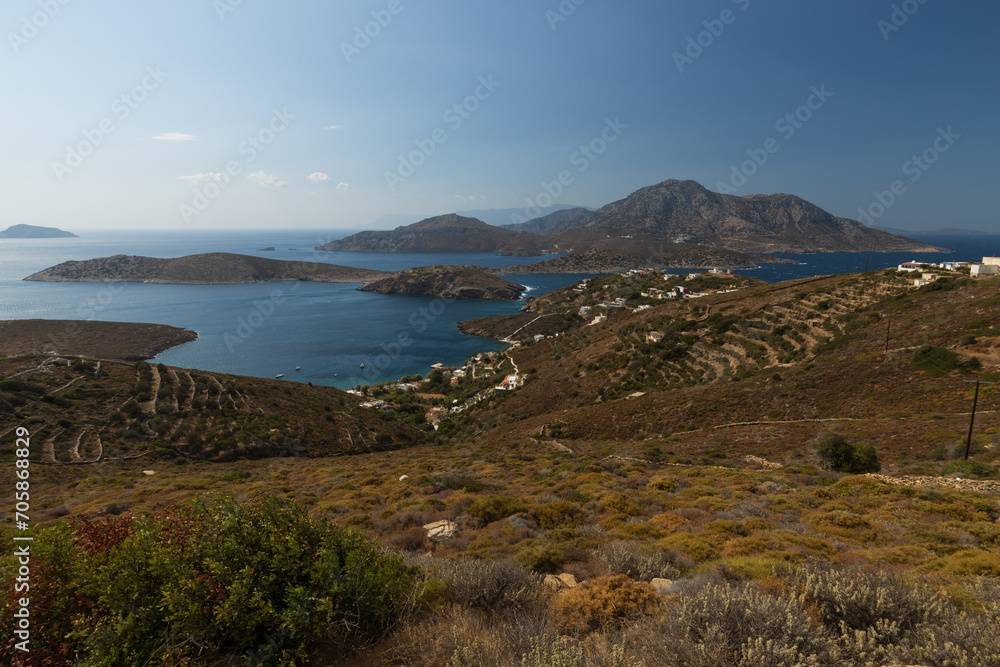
column 343, row 186
column 469, row 198
column 332, row 127
column 174, row 136
column 205, row 177
column 317, row 177
column 266, row 180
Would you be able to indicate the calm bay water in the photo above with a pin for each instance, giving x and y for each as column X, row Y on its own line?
column 327, row 329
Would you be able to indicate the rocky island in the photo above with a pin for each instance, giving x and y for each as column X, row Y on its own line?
column 445, row 233
column 217, row 268
column 35, row 232
column 447, row 282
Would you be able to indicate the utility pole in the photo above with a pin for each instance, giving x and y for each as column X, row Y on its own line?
column 888, row 327
column 972, row 421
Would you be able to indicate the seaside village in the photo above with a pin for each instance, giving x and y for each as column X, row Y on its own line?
column 444, row 383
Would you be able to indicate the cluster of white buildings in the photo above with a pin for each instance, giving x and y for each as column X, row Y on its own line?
column 988, row 267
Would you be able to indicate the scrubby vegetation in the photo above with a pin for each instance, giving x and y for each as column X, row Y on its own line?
column 634, row 503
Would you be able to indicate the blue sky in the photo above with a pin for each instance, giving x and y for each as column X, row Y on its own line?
column 255, row 114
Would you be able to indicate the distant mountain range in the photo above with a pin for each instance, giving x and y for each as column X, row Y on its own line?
column 498, row 217
column 667, row 214
column 34, row 232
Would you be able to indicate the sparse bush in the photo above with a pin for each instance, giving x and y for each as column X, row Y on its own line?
column 861, row 601
column 498, row 585
column 411, row 539
column 604, row 603
column 835, row 453
column 635, row 562
column 734, row 625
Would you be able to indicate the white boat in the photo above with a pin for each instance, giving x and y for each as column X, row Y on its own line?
column 298, row 368
column 279, row 376
column 362, row 365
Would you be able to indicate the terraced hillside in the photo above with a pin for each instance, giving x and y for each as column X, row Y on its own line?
column 89, row 410
column 809, row 350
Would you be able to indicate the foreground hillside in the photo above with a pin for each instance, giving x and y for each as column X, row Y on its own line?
column 217, row 268
column 676, row 485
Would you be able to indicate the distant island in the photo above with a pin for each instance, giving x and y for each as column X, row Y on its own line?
column 218, row 268
column 34, row 232
column 680, row 214
column 448, row 282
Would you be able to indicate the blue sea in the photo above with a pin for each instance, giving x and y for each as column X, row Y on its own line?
column 328, row 329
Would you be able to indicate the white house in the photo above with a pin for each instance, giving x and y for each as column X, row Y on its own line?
column 991, row 261
column 984, row 269
column 910, row 266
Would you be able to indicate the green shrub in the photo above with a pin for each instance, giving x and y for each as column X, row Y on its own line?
column 835, row 453
column 559, row 513
column 542, row 558
column 494, row 508
column 458, row 482
column 938, row 361
column 216, row 582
